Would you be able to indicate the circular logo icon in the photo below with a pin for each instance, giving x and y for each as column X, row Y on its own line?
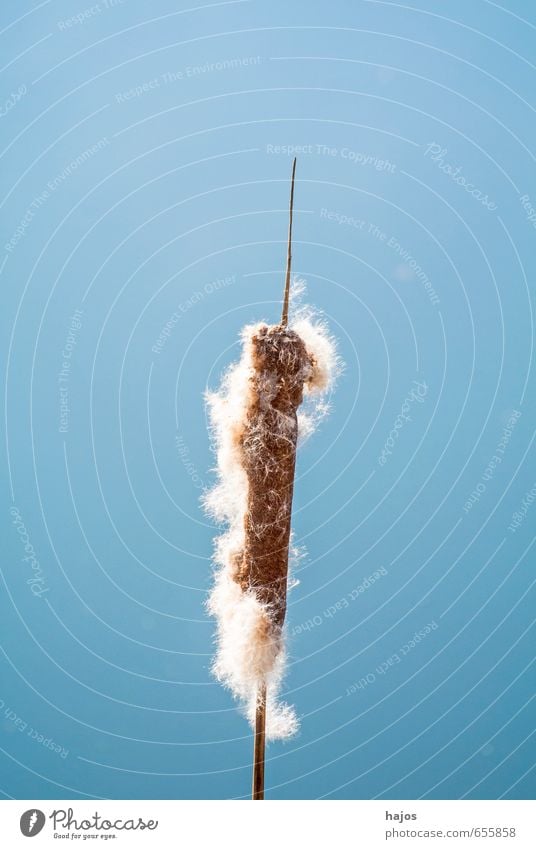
column 31, row 822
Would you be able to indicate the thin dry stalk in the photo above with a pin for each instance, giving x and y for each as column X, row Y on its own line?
column 257, row 789
column 286, row 297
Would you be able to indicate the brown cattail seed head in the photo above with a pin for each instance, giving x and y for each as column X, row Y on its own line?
column 281, row 366
column 256, row 420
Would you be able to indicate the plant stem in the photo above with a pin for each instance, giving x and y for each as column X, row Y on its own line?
column 257, row 791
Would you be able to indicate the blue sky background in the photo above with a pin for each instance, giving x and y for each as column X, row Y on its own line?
column 145, row 174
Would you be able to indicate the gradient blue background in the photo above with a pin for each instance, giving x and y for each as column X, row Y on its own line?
column 113, row 661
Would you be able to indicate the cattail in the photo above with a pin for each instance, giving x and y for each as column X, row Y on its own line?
column 256, row 423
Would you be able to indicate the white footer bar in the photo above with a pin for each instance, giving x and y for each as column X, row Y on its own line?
column 281, row 824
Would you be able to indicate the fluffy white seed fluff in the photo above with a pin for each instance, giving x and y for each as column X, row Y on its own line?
column 245, row 655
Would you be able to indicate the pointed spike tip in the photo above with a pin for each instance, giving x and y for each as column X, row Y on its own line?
column 286, row 295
